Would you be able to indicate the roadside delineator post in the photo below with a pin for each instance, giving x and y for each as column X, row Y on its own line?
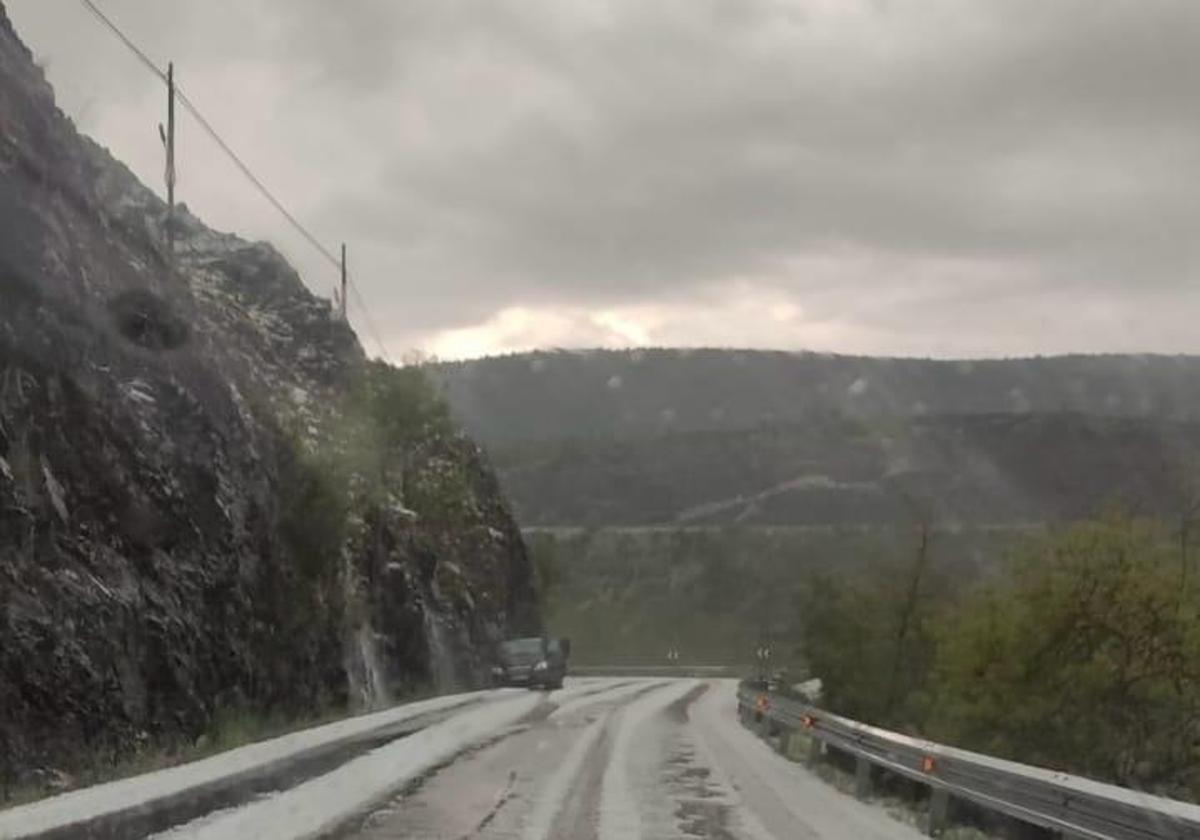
column 939, row 799
column 815, row 749
column 815, row 746
column 762, row 705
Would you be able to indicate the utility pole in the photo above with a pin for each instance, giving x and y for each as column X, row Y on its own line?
column 342, row 296
column 168, row 139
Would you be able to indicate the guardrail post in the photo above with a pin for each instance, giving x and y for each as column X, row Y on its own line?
column 939, row 809
column 862, row 777
column 1023, row 792
column 784, row 736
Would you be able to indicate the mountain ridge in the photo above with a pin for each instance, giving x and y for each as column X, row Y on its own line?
column 635, row 438
column 576, row 393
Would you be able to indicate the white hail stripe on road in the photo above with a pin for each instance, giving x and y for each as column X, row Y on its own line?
column 316, row 807
column 551, row 797
column 620, row 810
column 142, row 791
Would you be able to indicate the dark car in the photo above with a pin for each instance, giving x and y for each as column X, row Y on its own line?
column 536, row 661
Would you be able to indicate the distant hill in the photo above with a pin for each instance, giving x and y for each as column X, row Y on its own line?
column 986, row 469
column 681, row 499
column 720, row 436
column 634, row 393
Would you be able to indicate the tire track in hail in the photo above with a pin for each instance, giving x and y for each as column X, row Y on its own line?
column 569, row 805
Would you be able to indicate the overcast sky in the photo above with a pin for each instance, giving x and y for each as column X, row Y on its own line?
column 934, row 177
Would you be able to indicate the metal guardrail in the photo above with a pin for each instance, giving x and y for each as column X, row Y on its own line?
column 1074, row 806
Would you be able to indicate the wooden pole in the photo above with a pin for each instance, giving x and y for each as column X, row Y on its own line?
column 168, row 139
column 171, row 136
column 342, row 301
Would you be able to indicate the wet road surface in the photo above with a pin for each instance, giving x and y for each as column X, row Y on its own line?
column 632, row 759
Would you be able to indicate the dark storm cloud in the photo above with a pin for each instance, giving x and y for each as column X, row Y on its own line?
column 689, row 145
column 615, row 153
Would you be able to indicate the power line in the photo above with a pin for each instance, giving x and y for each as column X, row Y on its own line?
column 241, row 165
column 145, row 59
column 287, row 214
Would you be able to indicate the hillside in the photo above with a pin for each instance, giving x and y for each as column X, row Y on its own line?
column 686, row 498
column 202, row 513
column 635, row 393
column 710, row 437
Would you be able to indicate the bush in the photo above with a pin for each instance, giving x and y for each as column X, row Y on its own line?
column 870, row 638
column 1087, row 658
column 314, row 511
column 401, row 404
column 1084, row 657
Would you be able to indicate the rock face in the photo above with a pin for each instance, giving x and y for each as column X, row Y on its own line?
column 159, row 557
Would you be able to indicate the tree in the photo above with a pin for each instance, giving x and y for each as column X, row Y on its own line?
column 903, row 673
column 1182, row 475
column 841, row 637
column 1086, row 659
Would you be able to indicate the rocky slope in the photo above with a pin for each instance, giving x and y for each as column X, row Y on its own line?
column 173, row 541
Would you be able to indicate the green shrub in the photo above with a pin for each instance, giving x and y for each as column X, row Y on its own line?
column 314, row 511
column 1086, row 657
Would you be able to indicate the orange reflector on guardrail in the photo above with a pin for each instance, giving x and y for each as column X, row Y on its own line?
column 928, row 764
column 809, row 721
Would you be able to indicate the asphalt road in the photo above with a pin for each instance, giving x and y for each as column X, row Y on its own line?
column 625, row 759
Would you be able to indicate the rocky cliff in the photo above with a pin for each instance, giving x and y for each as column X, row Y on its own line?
column 182, row 526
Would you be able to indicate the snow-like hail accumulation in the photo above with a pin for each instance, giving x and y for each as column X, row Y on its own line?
column 766, row 796
column 317, row 807
column 778, row 793
column 139, row 791
column 618, row 691
column 743, row 817
column 551, row 797
column 620, row 808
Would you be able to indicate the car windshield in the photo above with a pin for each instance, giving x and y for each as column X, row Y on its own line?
column 522, row 648
column 706, row 419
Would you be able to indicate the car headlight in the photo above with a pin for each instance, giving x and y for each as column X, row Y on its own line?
column 541, row 666
column 498, row 671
